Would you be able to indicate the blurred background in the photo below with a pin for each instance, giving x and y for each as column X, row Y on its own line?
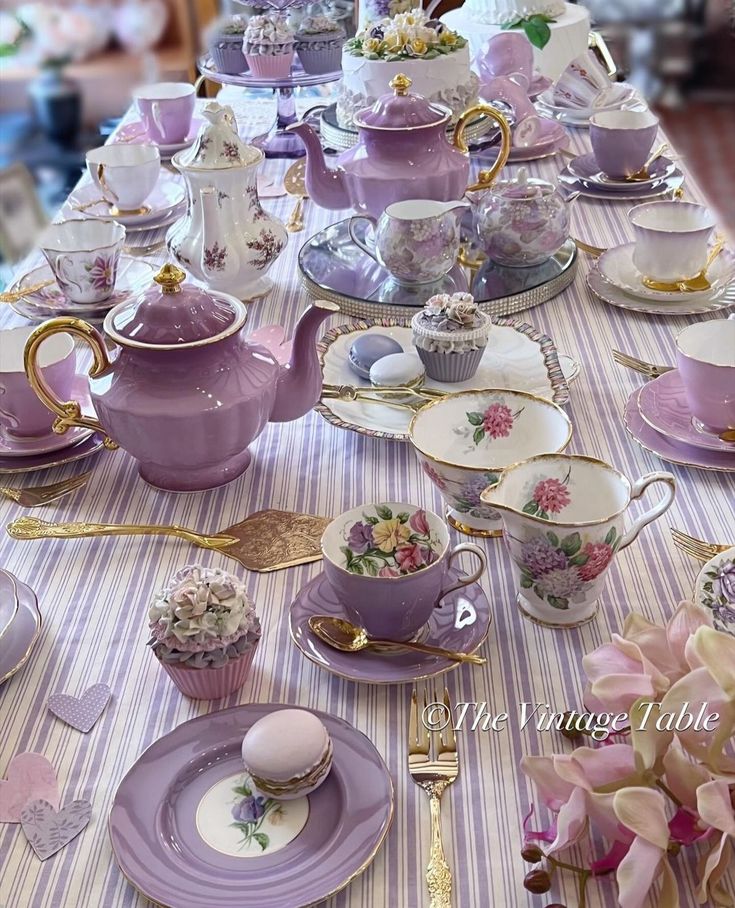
column 67, row 69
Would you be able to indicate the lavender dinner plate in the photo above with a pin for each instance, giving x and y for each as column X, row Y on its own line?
column 585, row 168
column 22, row 632
column 68, row 454
column 161, row 834
column 663, row 405
column 714, row 590
column 460, row 622
column 672, row 451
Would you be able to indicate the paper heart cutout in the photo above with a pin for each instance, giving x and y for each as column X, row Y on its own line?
column 29, row 777
column 80, row 712
column 48, row 830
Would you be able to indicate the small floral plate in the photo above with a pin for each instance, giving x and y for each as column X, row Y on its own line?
column 715, row 590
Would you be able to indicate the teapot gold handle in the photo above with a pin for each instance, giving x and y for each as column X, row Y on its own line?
column 485, row 177
column 68, row 413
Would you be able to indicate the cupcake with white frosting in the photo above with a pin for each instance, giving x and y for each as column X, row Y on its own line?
column 450, row 334
column 319, row 41
column 268, row 45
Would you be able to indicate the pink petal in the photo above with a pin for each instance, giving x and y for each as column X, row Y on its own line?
column 636, row 873
column 715, row 806
column 685, row 621
column 713, row 867
column 571, row 822
column 593, row 767
column 684, row 826
column 717, row 652
column 601, row 812
column 553, row 790
column 619, row 692
column 608, row 659
column 611, row 861
column 683, row 776
column 643, row 811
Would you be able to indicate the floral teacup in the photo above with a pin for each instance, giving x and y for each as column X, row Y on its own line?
column 83, row 255
column 464, row 441
column 417, row 241
column 563, row 522
column 388, row 565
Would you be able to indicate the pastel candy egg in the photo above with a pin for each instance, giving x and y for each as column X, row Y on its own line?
column 367, row 349
column 397, row 370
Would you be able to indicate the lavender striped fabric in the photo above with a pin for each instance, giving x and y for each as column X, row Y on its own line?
column 94, row 595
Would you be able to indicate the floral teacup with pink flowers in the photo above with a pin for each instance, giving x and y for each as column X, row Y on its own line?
column 563, row 520
column 84, row 255
column 465, row 440
column 389, row 566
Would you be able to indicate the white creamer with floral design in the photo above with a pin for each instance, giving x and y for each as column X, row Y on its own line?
column 226, row 238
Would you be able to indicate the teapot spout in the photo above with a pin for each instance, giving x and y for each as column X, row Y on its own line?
column 324, row 185
column 300, row 382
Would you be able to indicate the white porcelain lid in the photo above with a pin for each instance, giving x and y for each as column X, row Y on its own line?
column 218, row 145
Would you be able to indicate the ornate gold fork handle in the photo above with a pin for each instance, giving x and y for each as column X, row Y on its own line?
column 33, row 528
column 438, row 874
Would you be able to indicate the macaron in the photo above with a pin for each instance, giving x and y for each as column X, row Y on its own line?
column 288, row 754
column 367, row 349
column 397, row 370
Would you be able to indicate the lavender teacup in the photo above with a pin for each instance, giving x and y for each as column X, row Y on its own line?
column 84, row 255
column 622, row 140
column 670, row 239
column 22, row 415
column 166, row 109
column 388, row 565
column 506, row 54
column 705, row 355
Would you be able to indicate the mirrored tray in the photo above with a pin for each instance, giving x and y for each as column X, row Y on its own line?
column 332, row 267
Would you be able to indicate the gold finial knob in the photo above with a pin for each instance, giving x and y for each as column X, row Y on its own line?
column 400, row 84
column 169, row 278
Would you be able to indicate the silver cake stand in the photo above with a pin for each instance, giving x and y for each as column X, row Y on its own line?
column 332, row 267
column 276, row 143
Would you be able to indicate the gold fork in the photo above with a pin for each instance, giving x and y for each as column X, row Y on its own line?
column 650, row 370
column 697, row 548
column 35, row 496
column 434, row 776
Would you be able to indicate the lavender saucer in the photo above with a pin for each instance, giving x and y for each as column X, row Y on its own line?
column 22, row 632
column 8, row 601
column 663, row 405
column 572, row 184
column 68, row 454
column 553, row 137
column 460, row 622
column 585, row 168
column 172, row 816
column 671, row 451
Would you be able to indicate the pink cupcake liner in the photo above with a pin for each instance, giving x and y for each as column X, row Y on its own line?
column 211, row 683
column 270, row 66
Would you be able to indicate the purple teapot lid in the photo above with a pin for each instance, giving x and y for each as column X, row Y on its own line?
column 398, row 109
column 174, row 314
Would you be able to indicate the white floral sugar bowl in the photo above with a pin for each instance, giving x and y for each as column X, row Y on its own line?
column 226, row 238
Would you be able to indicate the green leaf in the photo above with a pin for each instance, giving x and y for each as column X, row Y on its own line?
column 571, row 544
column 610, row 538
column 242, row 790
column 262, row 839
column 370, row 567
column 516, row 23
column 474, row 419
column 371, row 520
column 355, row 568
column 478, row 435
column 403, row 517
column 531, row 507
column 526, row 582
column 383, row 512
column 537, row 590
column 537, row 31
column 558, row 602
column 543, row 514
column 579, row 560
column 553, row 539
column 708, row 587
column 492, row 479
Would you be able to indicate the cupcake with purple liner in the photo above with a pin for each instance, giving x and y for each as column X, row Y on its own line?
column 268, row 45
column 225, row 46
column 450, row 335
column 204, row 632
column 319, row 41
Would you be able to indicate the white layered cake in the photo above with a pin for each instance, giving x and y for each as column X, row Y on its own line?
column 569, row 27
column 433, row 56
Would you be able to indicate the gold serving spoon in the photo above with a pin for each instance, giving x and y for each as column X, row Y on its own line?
column 12, row 296
column 689, row 284
column 348, row 638
column 294, row 185
column 643, row 173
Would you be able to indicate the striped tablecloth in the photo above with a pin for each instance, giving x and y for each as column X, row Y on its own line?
column 94, row 595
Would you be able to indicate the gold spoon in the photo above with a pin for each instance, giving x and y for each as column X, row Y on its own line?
column 643, row 173
column 689, row 284
column 594, row 251
column 12, row 296
column 294, row 184
column 348, row 638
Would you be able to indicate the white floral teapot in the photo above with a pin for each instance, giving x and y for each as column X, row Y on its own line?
column 226, row 238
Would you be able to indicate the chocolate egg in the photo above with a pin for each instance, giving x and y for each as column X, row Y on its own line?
column 367, row 349
column 397, row 370
column 287, row 753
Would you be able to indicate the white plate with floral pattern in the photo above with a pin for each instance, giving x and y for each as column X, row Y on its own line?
column 715, row 590
column 517, row 356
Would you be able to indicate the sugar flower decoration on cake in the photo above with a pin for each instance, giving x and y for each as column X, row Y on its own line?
column 318, row 25
column 452, row 312
column 267, row 32
column 406, row 35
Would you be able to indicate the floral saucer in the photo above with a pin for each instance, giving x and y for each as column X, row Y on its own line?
column 460, row 622
column 585, row 168
column 187, row 829
column 616, row 296
column 631, row 194
column 166, row 195
column 553, row 137
column 135, row 133
column 616, row 266
column 133, row 276
column 671, row 451
column 23, row 630
column 663, row 405
column 714, row 590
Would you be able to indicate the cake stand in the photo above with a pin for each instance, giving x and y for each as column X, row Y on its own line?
column 276, row 143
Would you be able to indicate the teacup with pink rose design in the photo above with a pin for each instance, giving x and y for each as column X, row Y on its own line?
column 564, row 522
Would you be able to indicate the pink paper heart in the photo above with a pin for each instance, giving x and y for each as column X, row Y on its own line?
column 48, row 830
column 80, row 712
column 29, row 776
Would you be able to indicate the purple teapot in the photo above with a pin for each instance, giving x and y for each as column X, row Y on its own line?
column 402, row 152
column 185, row 391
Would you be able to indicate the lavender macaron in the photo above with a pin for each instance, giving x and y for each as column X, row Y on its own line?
column 288, row 754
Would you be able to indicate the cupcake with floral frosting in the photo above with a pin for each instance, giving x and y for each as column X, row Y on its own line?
column 319, row 43
column 204, row 631
column 268, row 44
column 450, row 334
